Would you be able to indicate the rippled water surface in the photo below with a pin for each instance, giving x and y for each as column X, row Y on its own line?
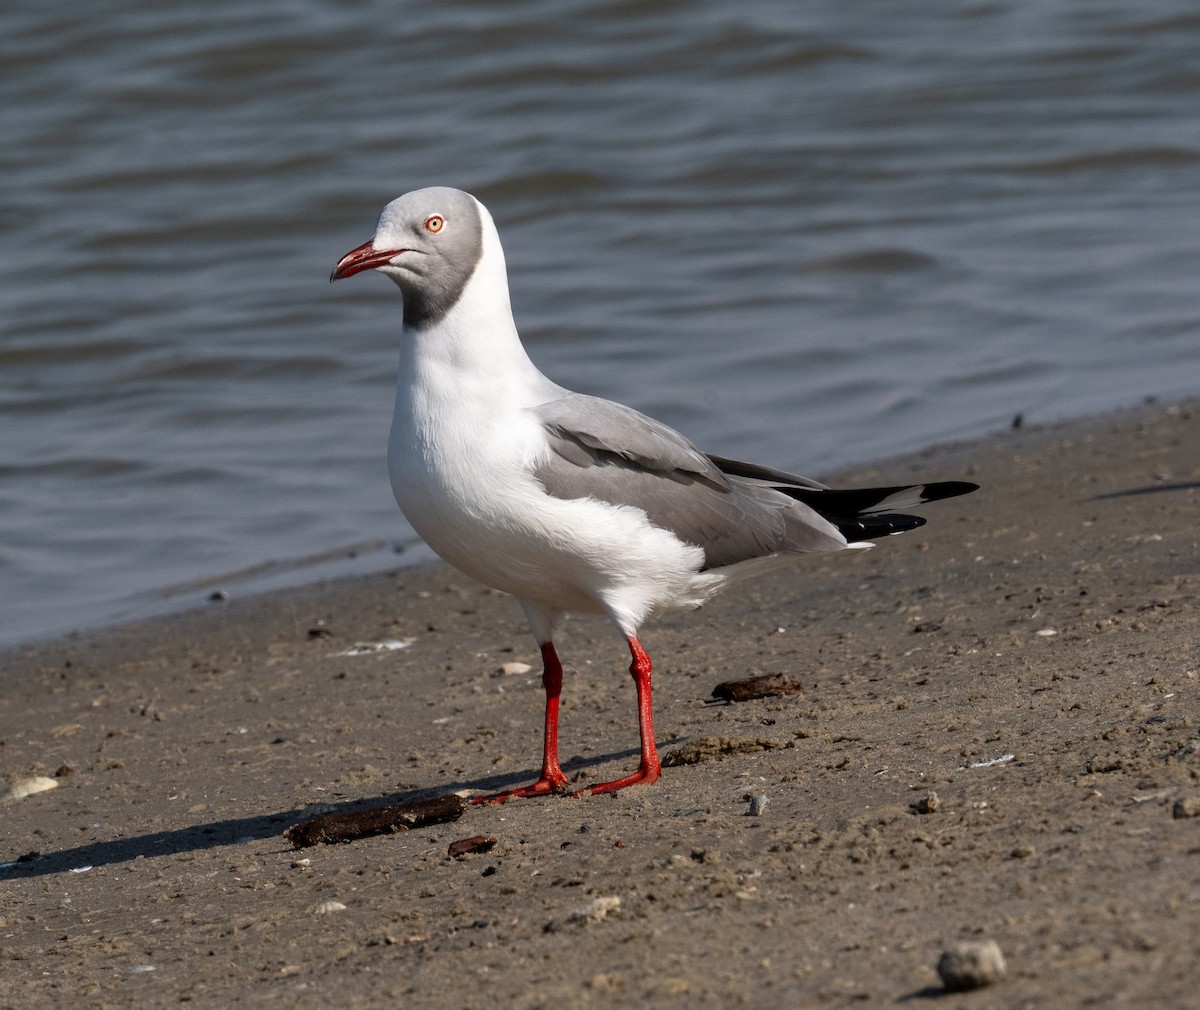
column 811, row 235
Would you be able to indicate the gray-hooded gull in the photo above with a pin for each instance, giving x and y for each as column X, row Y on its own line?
column 571, row 503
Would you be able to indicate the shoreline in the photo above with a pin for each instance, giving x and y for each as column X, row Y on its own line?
column 1029, row 656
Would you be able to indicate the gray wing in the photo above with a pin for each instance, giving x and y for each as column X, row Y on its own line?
column 581, row 428
column 612, row 453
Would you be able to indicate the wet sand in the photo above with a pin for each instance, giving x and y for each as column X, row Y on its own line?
column 997, row 737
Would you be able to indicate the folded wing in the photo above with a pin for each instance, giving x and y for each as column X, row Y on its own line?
column 734, row 511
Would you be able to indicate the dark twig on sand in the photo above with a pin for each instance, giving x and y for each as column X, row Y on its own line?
column 478, row 843
column 767, row 686
column 376, row 821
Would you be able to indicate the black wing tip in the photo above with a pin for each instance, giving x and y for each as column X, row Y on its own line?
column 854, row 503
column 947, row 489
column 850, row 511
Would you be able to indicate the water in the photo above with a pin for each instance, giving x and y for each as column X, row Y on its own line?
column 810, row 235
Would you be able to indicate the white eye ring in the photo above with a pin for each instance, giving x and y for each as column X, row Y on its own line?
column 434, row 223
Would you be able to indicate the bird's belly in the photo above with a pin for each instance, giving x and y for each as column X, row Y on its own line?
column 495, row 530
column 579, row 555
column 509, row 554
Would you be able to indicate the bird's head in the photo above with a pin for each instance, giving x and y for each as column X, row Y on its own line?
column 429, row 242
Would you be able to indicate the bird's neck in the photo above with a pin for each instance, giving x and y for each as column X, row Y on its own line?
column 473, row 355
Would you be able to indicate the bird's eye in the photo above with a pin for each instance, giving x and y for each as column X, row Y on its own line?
column 434, row 223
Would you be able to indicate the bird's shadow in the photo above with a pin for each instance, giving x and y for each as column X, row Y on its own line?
column 236, row 830
column 1134, row 492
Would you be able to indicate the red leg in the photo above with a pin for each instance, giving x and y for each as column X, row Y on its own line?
column 648, row 767
column 552, row 779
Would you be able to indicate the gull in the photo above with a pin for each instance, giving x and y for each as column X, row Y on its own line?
column 572, row 503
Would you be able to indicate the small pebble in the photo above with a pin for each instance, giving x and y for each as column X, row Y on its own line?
column 758, row 805
column 928, row 803
column 971, row 964
column 514, row 668
column 329, row 906
column 1188, row 806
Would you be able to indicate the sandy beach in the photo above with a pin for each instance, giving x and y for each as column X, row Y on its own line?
column 997, row 738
